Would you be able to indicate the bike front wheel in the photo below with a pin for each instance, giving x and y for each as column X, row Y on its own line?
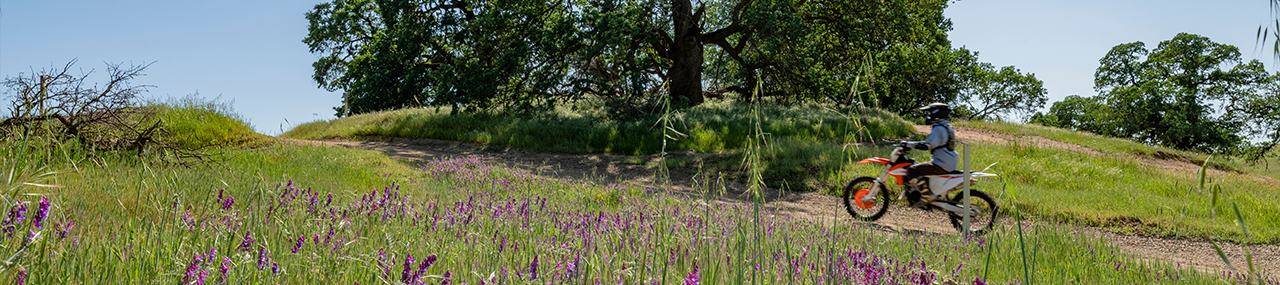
column 865, row 210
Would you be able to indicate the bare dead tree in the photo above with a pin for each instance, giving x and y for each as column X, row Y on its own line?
column 58, row 105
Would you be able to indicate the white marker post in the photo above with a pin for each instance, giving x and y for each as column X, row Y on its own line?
column 967, row 175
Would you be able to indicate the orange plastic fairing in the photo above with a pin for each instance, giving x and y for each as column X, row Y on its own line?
column 876, row 160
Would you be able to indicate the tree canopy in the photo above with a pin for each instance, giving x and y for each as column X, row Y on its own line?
column 1188, row 93
column 993, row 94
column 519, row 55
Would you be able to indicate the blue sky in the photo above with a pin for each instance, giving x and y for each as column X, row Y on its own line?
column 1062, row 41
column 251, row 52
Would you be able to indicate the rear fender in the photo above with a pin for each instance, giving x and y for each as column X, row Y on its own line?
column 983, row 174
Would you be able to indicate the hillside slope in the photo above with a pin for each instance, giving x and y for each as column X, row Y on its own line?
column 621, row 171
column 1050, row 173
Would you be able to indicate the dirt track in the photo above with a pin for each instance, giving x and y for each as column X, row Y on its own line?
column 613, row 168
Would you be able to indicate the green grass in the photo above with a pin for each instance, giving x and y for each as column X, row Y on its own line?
column 1106, row 144
column 1269, row 167
column 715, row 126
column 1111, row 192
column 140, row 223
column 1125, row 195
column 1115, row 192
column 196, row 122
column 1119, row 193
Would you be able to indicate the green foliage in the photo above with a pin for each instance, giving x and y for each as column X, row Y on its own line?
column 1260, row 113
column 194, row 122
column 1077, row 113
column 711, row 127
column 991, row 94
column 389, row 54
column 897, row 50
column 817, row 53
column 1166, row 96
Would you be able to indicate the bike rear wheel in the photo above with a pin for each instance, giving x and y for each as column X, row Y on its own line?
column 983, row 207
column 866, row 211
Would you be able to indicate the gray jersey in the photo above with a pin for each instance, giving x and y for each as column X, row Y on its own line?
column 937, row 141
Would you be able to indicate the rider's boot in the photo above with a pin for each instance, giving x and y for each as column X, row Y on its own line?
column 925, row 198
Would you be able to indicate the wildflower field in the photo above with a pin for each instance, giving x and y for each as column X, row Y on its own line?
column 461, row 221
column 813, row 147
column 267, row 211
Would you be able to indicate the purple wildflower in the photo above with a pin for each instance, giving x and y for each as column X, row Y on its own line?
column 406, row 275
column 22, row 276
column 431, row 259
column 692, row 279
column 200, row 278
column 16, row 214
column 382, row 263
column 422, row 268
column 193, row 271
column 446, row 277
column 226, row 268
column 247, row 243
column 64, row 228
column 533, row 268
column 298, row 245
column 977, row 281
column 213, row 252
column 226, row 204
column 41, row 213
column 263, row 257
column 275, row 268
column 572, row 267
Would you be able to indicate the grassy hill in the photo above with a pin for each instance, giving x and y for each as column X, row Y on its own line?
column 261, row 214
column 712, row 127
column 811, row 147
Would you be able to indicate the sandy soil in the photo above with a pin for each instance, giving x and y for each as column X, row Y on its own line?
column 612, row 168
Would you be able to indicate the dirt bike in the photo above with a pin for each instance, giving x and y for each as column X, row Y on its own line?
column 867, row 199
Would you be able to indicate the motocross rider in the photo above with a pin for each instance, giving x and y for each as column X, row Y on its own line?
column 941, row 142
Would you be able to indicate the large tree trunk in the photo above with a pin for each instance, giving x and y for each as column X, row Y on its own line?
column 685, row 74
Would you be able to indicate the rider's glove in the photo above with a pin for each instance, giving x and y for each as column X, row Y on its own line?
column 922, row 146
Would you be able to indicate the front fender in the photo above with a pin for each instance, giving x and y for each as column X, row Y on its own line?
column 876, row 160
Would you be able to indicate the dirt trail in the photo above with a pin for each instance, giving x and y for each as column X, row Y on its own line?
column 612, row 168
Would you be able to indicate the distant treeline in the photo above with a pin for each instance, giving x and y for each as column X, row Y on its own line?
column 1188, row 93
